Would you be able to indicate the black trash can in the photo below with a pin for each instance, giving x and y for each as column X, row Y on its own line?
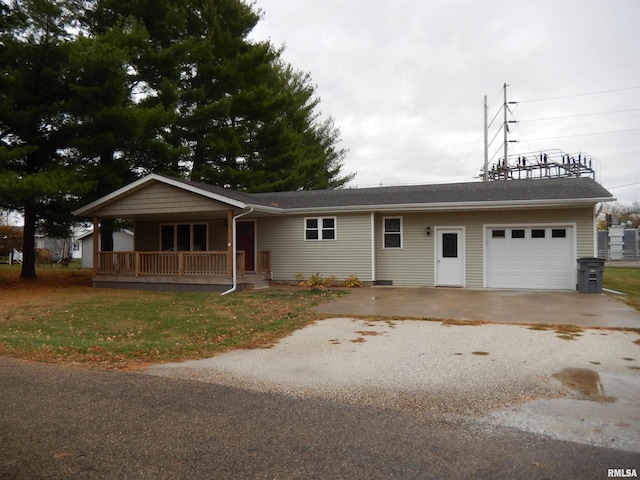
column 590, row 272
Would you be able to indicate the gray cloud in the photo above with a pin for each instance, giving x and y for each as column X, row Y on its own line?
column 404, row 81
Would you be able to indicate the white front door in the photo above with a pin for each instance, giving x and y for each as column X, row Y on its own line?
column 450, row 257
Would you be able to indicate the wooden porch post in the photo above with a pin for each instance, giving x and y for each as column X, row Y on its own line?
column 230, row 258
column 96, row 243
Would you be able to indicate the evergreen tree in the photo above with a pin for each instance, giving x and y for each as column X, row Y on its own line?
column 241, row 117
column 108, row 125
column 37, row 178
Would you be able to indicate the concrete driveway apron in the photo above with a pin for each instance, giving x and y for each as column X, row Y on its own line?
column 500, row 306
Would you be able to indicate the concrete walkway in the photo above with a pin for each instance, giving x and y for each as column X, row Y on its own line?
column 500, row 306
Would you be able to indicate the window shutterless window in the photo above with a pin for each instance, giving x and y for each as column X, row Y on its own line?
column 320, row 228
column 449, row 245
column 392, row 237
column 183, row 237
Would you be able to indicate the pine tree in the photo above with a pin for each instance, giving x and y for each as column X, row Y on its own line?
column 242, row 118
column 36, row 177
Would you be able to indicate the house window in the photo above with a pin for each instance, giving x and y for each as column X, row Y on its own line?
column 497, row 234
column 393, row 232
column 559, row 233
column 183, row 237
column 538, row 233
column 449, row 245
column 320, row 228
column 517, row 233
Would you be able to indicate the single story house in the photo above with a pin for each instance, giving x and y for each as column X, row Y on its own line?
column 122, row 242
column 521, row 234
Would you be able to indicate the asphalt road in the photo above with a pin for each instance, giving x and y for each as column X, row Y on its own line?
column 72, row 423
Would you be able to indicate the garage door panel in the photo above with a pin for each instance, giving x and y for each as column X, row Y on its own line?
column 530, row 257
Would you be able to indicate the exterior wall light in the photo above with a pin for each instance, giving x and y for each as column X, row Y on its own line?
column 428, row 231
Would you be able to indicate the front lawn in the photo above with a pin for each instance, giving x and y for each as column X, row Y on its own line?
column 625, row 280
column 59, row 317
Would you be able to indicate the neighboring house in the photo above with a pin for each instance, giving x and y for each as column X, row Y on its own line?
column 58, row 248
column 76, row 247
column 122, row 242
column 499, row 234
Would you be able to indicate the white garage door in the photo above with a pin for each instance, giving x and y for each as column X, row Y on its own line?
column 531, row 257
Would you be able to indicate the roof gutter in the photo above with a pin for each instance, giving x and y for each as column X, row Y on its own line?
column 235, row 251
column 452, row 206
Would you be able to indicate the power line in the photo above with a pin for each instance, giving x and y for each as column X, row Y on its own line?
column 578, row 73
column 622, row 155
column 494, row 137
column 523, row 137
column 494, row 118
column 587, row 134
column 627, row 185
column 579, row 95
column 581, row 115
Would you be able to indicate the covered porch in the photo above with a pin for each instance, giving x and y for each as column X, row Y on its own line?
column 187, row 237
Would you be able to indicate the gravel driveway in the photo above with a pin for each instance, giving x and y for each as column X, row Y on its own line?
column 496, row 374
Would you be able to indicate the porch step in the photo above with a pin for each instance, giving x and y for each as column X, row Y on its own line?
column 256, row 285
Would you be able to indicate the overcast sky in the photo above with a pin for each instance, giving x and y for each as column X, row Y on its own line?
column 404, row 81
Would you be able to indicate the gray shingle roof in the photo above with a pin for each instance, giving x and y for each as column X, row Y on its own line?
column 495, row 191
column 470, row 192
column 224, row 192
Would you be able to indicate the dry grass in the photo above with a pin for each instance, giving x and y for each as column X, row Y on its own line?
column 59, row 317
column 566, row 337
column 470, row 323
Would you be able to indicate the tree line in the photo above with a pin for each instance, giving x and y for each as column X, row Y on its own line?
column 97, row 93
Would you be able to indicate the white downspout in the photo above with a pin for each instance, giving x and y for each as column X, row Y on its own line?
column 234, row 250
column 373, row 248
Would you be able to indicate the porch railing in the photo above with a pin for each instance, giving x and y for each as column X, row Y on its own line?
column 264, row 261
column 175, row 263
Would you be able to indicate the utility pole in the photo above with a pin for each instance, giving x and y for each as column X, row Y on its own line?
column 506, row 131
column 504, row 168
column 486, row 140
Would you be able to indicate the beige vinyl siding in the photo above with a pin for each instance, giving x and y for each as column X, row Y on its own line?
column 291, row 254
column 586, row 233
column 159, row 198
column 147, row 234
column 413, row 265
